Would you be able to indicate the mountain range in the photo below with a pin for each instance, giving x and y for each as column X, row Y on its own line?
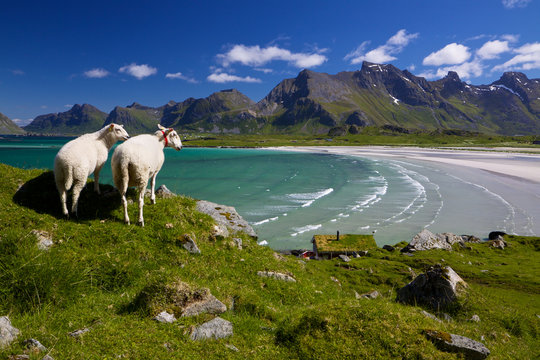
column 314, row 103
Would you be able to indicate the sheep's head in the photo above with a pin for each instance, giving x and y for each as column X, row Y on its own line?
column 119, row 132
column 171, row 137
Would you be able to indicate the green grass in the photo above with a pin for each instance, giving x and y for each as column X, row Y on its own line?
column 347, row 242
column 98, row 268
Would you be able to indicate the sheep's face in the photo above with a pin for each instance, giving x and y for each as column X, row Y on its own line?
column 119, row 131
column 174, row 140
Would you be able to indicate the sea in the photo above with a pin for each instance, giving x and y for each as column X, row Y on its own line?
column 288, row 197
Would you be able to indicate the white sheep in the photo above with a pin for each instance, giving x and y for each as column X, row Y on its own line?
column 139, row 159
column 81, row 157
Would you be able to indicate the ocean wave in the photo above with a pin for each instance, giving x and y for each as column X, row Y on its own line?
column 306, row 199
column 306, row 228
column 265, row 221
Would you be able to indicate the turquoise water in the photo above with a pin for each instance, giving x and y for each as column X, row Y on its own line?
column 289, row 197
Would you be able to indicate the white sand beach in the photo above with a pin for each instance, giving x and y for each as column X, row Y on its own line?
column 511, row 175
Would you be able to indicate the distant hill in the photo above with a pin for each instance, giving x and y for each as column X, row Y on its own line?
column 79, row 119
column 314, row 103
column 8, row 127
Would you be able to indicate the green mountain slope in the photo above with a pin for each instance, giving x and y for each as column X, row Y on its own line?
column 78, row 120
column 8, row 127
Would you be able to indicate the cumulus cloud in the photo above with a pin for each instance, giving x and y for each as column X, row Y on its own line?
column 180, row 76
column 22, row 122
column 256, row 56
column 451, row 54
column 492, row 49
column 138, row 71
column 510, row 4
column 527, row 58
column 384, row 53
column 96, row 73
column 221, row 77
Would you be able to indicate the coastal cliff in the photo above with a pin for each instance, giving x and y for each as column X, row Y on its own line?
column 93, row 287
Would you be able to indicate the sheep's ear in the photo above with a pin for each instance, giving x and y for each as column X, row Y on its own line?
column 160, row 127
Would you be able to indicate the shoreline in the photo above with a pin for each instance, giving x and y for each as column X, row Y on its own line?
column 504, row 162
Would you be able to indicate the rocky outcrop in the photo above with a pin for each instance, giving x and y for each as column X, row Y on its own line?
column 276, row 275
column 426, row 240
column 226, row 217
column 470, row 349
column 438, row 287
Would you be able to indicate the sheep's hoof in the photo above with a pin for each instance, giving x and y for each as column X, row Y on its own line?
column 141, row 223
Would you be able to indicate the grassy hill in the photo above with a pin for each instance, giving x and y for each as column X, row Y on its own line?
column 98, row 267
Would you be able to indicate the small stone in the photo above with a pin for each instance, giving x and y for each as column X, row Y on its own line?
column 217, row 328
column 210, row 305
column 362, row 252
column 79, row 332
column 231, row 347
column 319, row 292
column 276, row 275
column 169, row 226
column 47, row 357
column 357, row 295
column 431, row 316
column 370, row 295
column 44, row 239
column 165, row 317
column 8, row 333
column 190, row 245
column 475, row 318
column 498, row 244
column 34, row 344
column 164, row 192
column 447, row 317
column 19, row 357
column 278, row 256
column 344, row 258
column 389, row 248
column 484, row 271
column 238, row 243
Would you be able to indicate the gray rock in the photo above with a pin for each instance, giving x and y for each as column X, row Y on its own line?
column 496, row 234
column 276, row 275
column 79, row 332
column 209, row 305
column 164, row 192
column 47, row 357
column 447, row 317
column 426, row 240
column 34, row 344
column 226, row 216
column 344, row 258
column 475, row 318
column 238, row 243
column 431, row 316
column 498, row 244
column 20, row 357
column 370, row 295
column 217, row 328
column 389, row 248
column 471, row 349
column 165, row 317
column 190, row 245
column 8, row 333
column 44, row 239
column 231, row 347
column 438, row 287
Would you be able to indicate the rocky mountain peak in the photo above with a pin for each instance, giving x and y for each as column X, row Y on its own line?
column 452, row 76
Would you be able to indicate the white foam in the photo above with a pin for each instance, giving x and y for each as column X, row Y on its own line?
column 306, row 199
column 262, row 243
column 306, row 228
column 265, row 221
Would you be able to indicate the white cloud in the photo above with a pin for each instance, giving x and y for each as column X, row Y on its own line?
column 510, row 4
column 22, row 122
column 17, row 72
column 451, row 54
column 383, row 53
column 256, row 56
column 492, row 49
column 527, row 58
column 264, row 70
column 69, row 106
column 96, row 73
column 138, row 71
column 180, row 76
column 465, row 70
column 222, row 77
column 511, row 38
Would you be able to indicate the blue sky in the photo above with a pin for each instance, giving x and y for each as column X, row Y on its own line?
column 58, row 53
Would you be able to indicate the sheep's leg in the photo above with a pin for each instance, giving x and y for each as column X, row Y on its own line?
column 124, row 203
column 63, row 200
column 96, row 179
column 77, row 188
column 153, row 185
column 142, row 188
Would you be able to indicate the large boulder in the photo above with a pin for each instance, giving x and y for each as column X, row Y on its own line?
column 226, row 218
column 426, row 240
column 8, row 333
column 438, row 288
